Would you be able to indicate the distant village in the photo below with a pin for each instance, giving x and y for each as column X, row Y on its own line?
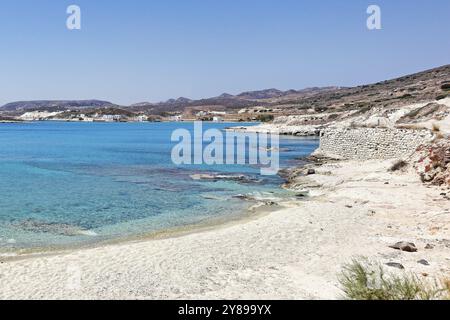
column 260, row 114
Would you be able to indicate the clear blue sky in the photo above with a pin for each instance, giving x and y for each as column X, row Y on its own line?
column 135, row 50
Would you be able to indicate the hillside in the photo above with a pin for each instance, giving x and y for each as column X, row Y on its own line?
column 54, row 105
column 423, row 86
column 229, row 102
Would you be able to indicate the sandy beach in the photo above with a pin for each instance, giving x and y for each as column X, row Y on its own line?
column 354, row 209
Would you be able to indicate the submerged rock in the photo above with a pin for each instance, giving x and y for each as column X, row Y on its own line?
column 53, row 228
column 217, row 177
column 261, row 199
column 244, row 197
column 213, row 197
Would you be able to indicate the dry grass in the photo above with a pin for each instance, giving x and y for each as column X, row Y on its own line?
column 437, row 132
column 361, row 280
column 436, row 128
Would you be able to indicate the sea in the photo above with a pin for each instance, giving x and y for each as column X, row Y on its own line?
column 66, row 184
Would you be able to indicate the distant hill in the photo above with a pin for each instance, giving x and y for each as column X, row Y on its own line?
column 423, row 86
column 261, row 94
column 54, row 105
column 419, row 87
column 226, row 101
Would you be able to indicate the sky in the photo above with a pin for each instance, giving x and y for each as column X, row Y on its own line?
column 130, row 51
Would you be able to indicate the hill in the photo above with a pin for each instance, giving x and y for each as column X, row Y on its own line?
column 423, row 86
column 54, row 105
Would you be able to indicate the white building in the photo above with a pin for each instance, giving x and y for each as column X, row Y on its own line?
column 219, row 113
column 142, row 118
column 201, row 114
column 111, row 118
column 176, row 118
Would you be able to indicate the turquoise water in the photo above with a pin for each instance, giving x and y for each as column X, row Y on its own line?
column 65, row 184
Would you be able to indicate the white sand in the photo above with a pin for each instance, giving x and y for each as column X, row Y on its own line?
column 294, row 253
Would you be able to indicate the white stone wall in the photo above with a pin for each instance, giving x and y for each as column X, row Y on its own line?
column 371, row 143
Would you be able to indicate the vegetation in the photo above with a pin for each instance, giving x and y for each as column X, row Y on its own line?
column 265, row 118
column 436, row 127
column 398, row 165
column 445, row 86
column 361, row 280
column 363, row 109
column 333, row 116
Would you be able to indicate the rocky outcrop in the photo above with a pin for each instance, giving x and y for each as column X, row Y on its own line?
column 431, row 111
column 432, row 162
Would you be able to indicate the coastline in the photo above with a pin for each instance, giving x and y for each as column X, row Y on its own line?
column 252, row 212
column 295, row 252
column 251, row 207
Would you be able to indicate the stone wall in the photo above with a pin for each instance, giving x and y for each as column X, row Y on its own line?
column 371, row 143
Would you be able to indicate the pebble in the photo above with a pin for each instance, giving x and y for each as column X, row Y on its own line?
column 371, row 212
column 395, row 265
column 424, row 262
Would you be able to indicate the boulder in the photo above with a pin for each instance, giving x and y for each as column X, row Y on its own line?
column 404, row 246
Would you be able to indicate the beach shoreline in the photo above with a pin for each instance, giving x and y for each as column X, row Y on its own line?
column 252, row 212
column 355, row 209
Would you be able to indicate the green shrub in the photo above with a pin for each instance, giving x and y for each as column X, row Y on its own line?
column 398, row 165
column 361, row 280
column 363, row 109
column 333, row 116
column 265, row 118
column 445, row 86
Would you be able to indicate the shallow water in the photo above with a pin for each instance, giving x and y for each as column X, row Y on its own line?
column 64, row 184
